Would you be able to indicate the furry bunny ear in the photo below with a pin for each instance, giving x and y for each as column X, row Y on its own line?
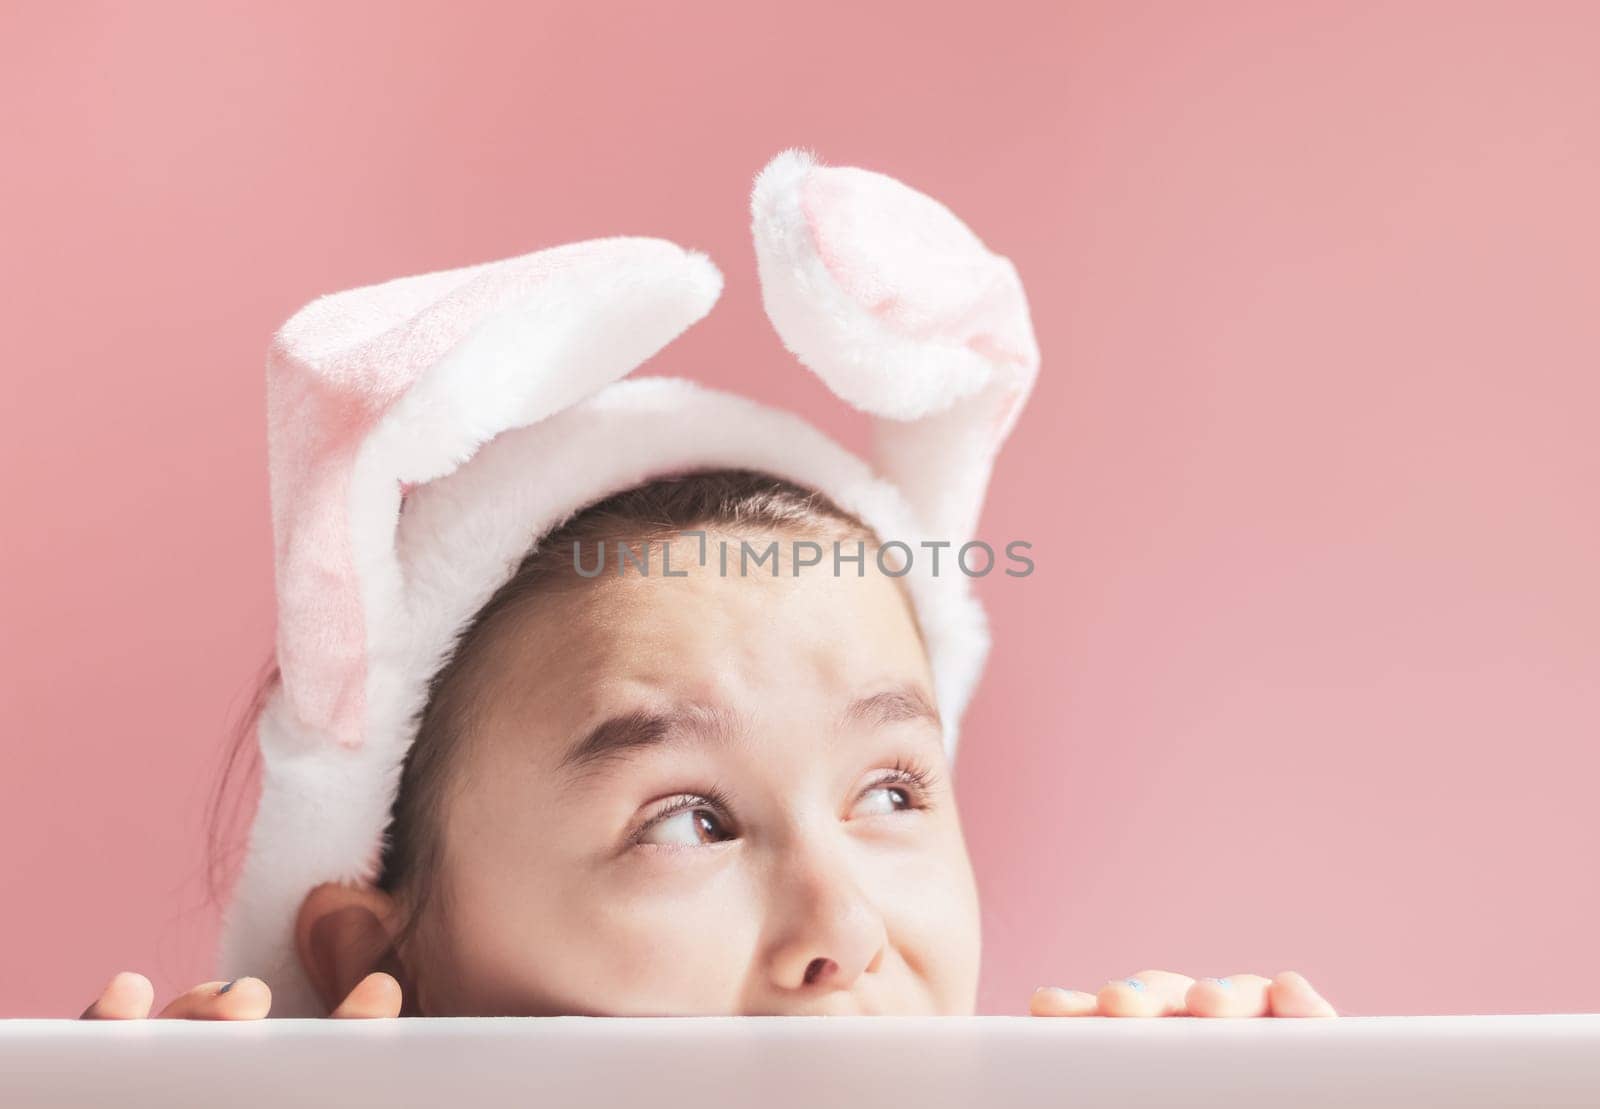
column 373, row 390
column 889, row 298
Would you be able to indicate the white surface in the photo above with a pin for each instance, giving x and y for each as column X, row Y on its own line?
column 820, row 1061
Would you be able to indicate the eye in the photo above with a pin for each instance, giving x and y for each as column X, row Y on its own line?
column 882, row 799
column 904, row 787
column 687, row 826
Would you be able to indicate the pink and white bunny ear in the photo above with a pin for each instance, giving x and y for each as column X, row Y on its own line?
column 905, row 314
column 377, row 389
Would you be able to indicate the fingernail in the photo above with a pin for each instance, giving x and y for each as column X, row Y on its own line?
column 226, row 986
column 1134, row 983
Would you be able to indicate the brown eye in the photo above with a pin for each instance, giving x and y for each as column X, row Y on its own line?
column 686, row 828
column 709, row 827
column 881, row 800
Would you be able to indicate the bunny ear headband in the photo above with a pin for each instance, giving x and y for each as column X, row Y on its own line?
column 423, row 434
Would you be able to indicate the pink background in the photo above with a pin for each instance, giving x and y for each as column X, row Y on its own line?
column 1307, row 675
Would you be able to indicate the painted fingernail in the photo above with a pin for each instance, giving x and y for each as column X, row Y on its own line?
column 226, row 986
column 1133, row 983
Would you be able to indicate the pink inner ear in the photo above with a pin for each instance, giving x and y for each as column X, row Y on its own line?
column 322, row 632
column 901, row 255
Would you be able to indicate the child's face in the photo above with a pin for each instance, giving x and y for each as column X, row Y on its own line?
column 676, row 801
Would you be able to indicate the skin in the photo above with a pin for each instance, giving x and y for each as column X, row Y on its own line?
column 796, row 858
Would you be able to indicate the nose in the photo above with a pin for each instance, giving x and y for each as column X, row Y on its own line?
column 826, row 932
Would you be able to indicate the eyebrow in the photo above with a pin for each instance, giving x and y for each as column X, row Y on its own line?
column 638, row 729
column 891, row 706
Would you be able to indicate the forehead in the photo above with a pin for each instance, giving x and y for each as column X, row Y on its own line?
column 753, row 640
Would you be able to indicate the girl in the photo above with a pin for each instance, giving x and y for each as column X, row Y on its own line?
column 636, row 698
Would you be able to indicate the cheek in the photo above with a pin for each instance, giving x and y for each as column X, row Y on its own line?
column 633, row 939
column 679, row 940
column 930, row 905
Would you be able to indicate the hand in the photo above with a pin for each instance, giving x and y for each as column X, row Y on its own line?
column 130, row 996
column 1161, row 993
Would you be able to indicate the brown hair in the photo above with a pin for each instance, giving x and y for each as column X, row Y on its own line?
column 735, row 500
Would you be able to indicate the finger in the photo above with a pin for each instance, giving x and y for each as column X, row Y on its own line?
column 1293, row 996
column 1150, row 993
column 1053, row 1001
column 240, row 999
column 1238, row 995
column 128, row 996
column 375, row 996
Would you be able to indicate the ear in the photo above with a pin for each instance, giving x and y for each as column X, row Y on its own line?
column 373, row 390
column 342, row 934
column 887, row 296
